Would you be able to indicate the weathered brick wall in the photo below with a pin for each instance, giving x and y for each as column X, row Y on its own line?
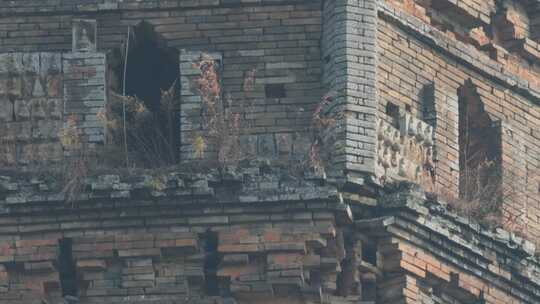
column 39, row 93
column 31, row 108
column 348, row 46
column 129, row 246
column 397, row 72
column 421, row 69
column 279, row 41
column 188, row 238
column 426, row 266
column 84, row 90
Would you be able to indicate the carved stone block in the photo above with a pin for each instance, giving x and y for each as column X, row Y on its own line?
column 405, row 153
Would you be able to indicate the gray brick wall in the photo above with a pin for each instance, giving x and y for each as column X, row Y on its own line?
column 31, row 98
column 191, row 104
column 84, row 91
column 280, row 40
column 349, row 43
column 39, row 93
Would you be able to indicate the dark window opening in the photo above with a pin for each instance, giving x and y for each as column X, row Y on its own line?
column 479, row 148
column 66, row 268
column 275, row 90
column 151, row 77
column 151, row 67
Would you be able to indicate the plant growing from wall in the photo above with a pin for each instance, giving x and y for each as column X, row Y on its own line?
column 77, row 164
column 220, row 126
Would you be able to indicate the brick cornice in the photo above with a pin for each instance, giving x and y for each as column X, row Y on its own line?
column 464, row 244
column 462, row 53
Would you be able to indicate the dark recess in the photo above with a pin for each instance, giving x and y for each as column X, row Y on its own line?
column 275, row 90
column 66, row 268
column 211, row 262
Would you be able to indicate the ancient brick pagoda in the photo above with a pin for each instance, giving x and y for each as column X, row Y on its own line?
column 430, row 193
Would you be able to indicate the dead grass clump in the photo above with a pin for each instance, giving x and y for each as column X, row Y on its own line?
column 150, row 137
column 483, row 195
column 222, row 120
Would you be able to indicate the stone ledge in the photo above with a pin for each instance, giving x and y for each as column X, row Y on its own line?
column 411, row 197
column 462, row 242
column 249, row 185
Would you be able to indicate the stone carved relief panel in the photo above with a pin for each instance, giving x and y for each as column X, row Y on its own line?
column 405, row 152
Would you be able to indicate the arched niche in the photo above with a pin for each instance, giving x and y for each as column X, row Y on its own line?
column 479, row 146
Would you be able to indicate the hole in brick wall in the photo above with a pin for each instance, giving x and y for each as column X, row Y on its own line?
column 152, row 69
column 211, row 263
column 66, row 268
column 369, row 252
column 479, row 148
column 275, row 90
column 427, row 97
column 392, row 110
